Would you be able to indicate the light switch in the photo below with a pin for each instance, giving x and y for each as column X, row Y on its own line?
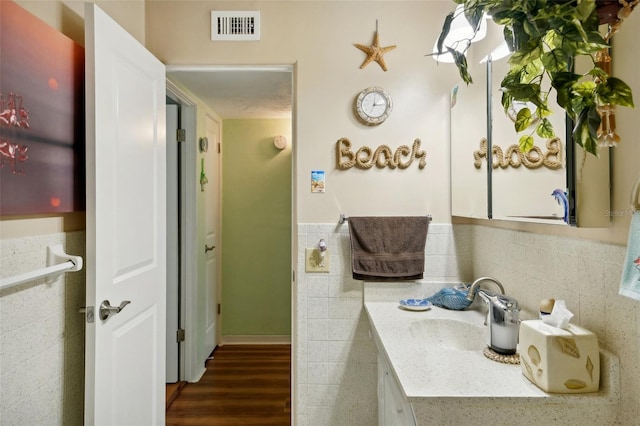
column 315, row 262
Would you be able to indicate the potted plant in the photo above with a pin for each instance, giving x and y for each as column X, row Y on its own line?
column 544, row 37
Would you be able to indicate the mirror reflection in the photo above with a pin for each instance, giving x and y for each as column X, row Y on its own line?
column 524, row 183
column 546, row 185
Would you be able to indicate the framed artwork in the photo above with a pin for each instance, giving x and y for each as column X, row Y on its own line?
column 41, row 117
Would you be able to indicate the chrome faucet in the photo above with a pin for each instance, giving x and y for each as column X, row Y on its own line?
column 476, row 284
column 502, row 316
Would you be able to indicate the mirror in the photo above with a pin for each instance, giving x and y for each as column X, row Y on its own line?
column 523, row 183
column 519, row 187
column 468, row 121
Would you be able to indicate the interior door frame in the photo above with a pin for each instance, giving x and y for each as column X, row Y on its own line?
column 173, row 90
column 189, row 370
column 216, row 149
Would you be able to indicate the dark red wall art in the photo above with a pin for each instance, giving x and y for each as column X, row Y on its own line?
column 41, row 117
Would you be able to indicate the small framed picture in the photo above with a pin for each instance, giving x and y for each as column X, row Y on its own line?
column 317, row 181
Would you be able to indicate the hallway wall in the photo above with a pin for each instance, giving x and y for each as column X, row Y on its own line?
column 256, row 229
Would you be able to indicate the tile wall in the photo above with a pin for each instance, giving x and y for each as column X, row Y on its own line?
column 586, row 274
column 336, row 380
column 336, row 359
column 41, row 337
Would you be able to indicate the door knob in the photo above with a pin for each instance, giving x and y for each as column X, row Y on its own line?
column 106, row 310
column 208, row 249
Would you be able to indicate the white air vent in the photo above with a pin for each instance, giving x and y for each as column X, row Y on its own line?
column 235, row 26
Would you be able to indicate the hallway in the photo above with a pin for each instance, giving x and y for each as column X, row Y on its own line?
column 243, row 385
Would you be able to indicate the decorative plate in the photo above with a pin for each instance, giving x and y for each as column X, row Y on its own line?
column 415, row 304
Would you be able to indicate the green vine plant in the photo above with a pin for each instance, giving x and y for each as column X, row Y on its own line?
column 544, row 37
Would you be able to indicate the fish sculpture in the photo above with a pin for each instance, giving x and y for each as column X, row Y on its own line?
column 561, row 198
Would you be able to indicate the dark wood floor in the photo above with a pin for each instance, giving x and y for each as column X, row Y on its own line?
column 243, row 385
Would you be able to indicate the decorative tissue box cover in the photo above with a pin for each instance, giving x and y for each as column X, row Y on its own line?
column 557, row 360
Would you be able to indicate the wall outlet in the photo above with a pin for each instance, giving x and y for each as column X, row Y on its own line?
column 314, row 262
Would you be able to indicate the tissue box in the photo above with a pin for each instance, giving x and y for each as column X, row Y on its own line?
column 558, row 360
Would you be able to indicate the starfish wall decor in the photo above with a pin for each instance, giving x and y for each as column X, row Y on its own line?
column 375, row 52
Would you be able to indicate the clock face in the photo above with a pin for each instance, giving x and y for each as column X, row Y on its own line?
column 373, row 106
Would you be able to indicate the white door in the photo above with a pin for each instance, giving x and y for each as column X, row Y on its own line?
column 126, row 227
column 212, row 194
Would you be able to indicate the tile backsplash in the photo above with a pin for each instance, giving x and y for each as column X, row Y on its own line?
column 42, row 335
column 584, row 273
column 335, row 382
column 336, row 378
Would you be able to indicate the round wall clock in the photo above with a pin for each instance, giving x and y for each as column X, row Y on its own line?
column 373, row 105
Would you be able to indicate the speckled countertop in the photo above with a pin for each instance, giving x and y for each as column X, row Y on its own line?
column 427, row 368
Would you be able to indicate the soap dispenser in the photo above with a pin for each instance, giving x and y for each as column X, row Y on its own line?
column 503, row 322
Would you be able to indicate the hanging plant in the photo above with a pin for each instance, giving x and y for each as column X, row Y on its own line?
column 545, row 37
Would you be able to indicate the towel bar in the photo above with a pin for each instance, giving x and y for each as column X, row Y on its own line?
column 55, row 254
column 344, row 219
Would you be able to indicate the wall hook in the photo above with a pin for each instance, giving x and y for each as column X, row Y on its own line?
column 203, row 176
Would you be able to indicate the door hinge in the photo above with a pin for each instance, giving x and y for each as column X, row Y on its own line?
column 219, row 309
column 219, row 148
column 180, row 335
column 293, row 276
column 181, row 135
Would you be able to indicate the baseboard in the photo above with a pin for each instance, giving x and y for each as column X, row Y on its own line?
column 199, row 375
column 256, row 340
column 173, row 390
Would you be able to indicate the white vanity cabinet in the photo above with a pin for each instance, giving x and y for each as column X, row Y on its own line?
column 393, row 408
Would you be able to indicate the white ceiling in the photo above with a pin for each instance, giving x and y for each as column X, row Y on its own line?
column 240, row 93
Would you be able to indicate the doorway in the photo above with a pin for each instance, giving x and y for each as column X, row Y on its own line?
column 192, row 86
column 182, row 245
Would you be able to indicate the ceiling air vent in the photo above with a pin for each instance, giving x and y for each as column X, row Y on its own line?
column 235, row 26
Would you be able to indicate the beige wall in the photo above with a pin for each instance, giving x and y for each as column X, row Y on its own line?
column 318, row 37
column 68, row 16
column 327, row 80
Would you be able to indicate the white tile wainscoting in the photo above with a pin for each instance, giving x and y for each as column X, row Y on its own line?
column 336, row 376
column 584, row 273
column 335, row 382
column 41, row 336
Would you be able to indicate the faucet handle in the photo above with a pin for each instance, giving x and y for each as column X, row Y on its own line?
column 486, row 295
column 509, row 303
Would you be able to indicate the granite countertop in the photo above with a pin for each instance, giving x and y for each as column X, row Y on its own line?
column 427, row 370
